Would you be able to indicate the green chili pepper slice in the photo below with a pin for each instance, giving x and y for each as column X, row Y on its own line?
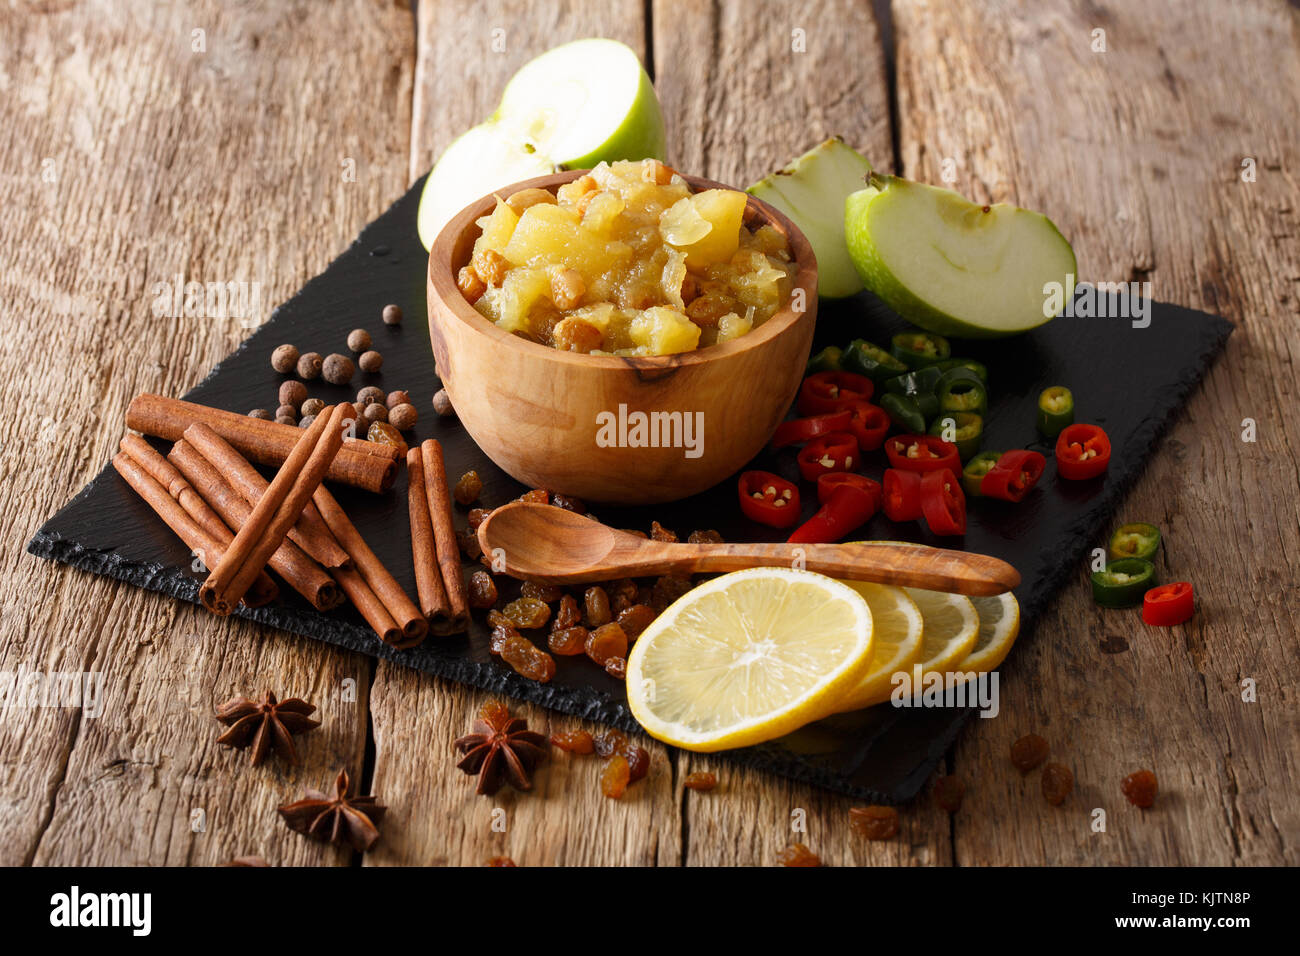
column 1135, row 540
column 827, row 360
column 1055, row 410
column 960, row 390
column 919, row 349
column 1123, row 583
column 904, row 412
column 863, row 358
column 972, row 476
column 914, row 383
column 978, row 368
column 963, row 429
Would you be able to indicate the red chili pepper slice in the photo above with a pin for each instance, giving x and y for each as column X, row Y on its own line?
column 902, row 495
column 943, row 503
column 769, row 499
column 824, row 391
column 847, row 502
column 868, row 423
column 1169, row 604
column 837, row 451
column 806, row 429
column 922, row 453
column 1082, row 451
column 1015, row 473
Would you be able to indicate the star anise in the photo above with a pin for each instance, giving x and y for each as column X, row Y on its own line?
column 338, row 819
column 267, row 724
column 500, row 750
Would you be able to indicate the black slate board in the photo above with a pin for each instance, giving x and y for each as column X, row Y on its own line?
column 1131, row 381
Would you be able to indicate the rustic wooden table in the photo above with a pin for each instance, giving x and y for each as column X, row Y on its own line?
column 250, row 142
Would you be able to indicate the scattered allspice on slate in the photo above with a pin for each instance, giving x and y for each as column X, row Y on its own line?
column 398, row 397
column 312, row 406
column 262, row 413
column 358, row 340
column 371, row 361
column 374, row 413
column 370, row 394
column 337, row 369
column 285, row 415
column 284, row 358
column 293, row 393
column 306, row 421
column 392, row 315
column 442, row 403
column 403, row 417
column 309, row 365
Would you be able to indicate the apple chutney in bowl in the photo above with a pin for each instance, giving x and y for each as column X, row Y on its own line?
column 627, row 260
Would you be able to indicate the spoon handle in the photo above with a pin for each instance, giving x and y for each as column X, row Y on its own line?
column 935, row 569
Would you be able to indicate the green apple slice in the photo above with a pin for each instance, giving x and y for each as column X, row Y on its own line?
column 573, row 107
column 811, row 191
column 953, row 266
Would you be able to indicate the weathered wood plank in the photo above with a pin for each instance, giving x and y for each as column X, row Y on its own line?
column 1137, row 154
column 565, row 820
column 746, row 87
column 140, row 150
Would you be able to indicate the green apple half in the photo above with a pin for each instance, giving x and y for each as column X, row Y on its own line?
column 953, row 266
column 811, row 191
column 574, row 106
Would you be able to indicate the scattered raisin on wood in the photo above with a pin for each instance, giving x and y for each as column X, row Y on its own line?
column 596, row 602
column 1140, row 788
column 541, row 592
column 796, row 854
column 567, row 641
column 874, row 822
column 615, row 776
column 700, row 780
column 616, row 667
column 638, row 762
column 605, row 642
column 949, row 792
column 527, row 613
column 468, row 488
column 659, row 533
column 500, row 861
column 610, row 742
column 636, row 619
column 1028, row 752
column 574, row 742
column 284, row 358
column 1057, row 781
column 482, row 590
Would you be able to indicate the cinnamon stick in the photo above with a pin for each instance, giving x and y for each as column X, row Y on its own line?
column 165, row 473
column 428, row 578
column 362, row 464
column 289, row 561
column 211, row 548
column 275, row 513
column 371, row 608
column 444, row 536
column 309, row 533
column 402, row 609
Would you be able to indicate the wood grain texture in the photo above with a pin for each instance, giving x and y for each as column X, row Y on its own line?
column 747, row 85
column 134, row 157
column 1137, row 154
column 565, row 820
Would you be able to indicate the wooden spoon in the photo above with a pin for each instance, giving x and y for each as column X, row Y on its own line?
column 550, row 545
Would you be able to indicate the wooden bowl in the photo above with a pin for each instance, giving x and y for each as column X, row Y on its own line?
column 538, row 412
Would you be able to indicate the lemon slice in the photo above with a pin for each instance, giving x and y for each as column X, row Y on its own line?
column 747, row 657
column 896, row 633
column 999, row 624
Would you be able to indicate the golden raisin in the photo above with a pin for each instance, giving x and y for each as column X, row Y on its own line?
column 383, row 433
column 706, row 310
column 610, row 742
column 690, row 289
column 570, row 193
column 500, row 861
column 567, row 289
column 667, row 590
column 536, row 496
column 653, row 171
column 638, row 762
column 500, row 634
column 470, row 285
column 636, row 619
column 532, row 196
column 477, row 516
column 482, row 590
column 469, row 545
column 605, row 642
column 494, row 711
column 874, row 822
column 527, row 613
column 567, row 641
column 704, row 537
column 574, row 742
column 1058, row 781
column 596, row 603
column 541, row 592
column 1028, row 752
column 948, row 793
column 616, row 667
column 567, row 614
column 496, row 619
column 796, row 854
column 623, row 594
column 576, row 335
column 615, row 777
column 468, row 488
column 700, row 780
column 659, row 533
column 490, row 265
column 569, row 503
column 1140, row 788
column 526, row 660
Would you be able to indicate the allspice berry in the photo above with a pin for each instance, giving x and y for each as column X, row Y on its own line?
column 358, row 340
column 399, row 397
column 403, row 417
column 309, row 365
column 306, row 421
column 442, row 403
column 284, row 358
column 337, row 369
column 261, row 413
column 374, row 412
column 392, row 315
column 312, row 407
column 370, row 394
column 287, row 411
column 371, row 361
column 285, row 420
column 293, row 393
